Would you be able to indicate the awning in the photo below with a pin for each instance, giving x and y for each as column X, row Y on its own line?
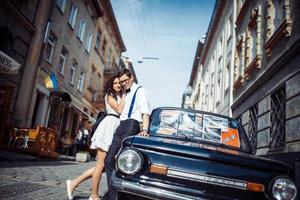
column 8, row 65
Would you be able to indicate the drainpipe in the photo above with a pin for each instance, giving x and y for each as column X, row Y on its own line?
column 232, row 57
column 24, row 97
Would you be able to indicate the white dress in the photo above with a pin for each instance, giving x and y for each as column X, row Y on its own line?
column 105, row 131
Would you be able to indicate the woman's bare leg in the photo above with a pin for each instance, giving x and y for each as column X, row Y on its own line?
column 96, row 177
column 84, row 176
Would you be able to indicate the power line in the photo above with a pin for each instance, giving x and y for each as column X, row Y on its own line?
column 127, row 4
column 169, row 34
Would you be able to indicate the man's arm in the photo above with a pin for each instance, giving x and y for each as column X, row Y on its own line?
column 145, row 125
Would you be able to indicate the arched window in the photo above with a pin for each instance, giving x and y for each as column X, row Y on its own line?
column 278, row 23
column 253, row 42
column 278, row 14
column 7, row 41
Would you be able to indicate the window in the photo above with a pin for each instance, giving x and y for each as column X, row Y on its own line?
column 48, row 54
column 89, row 42
column 212, row 76
column 202, row 101
column 81, row 81
column 73, row 15
column 218, row 92
column 239, row 62
column 278, row 114
column 253, row 126
column 227, row 77
column 103, row 47
column 81, row 30
column 61, row 4
column 98, row 39
column 278, row 14
column 229, row 29
column 62, row 60
column 278, row 23
column 108, row 56
column 206, row 97
column 220, row 50
column 253, row 43
column 73, row 72
column 98, row 82
column 91, row 82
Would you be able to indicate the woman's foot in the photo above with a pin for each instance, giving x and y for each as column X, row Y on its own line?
column 69, row 189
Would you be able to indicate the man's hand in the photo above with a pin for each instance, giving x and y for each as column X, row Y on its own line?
column 144, row 134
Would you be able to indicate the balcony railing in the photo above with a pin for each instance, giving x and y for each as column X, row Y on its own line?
column 111, row 68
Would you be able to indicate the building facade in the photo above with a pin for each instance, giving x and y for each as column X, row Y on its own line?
column 76, row 42
column 211, row 78
column 249, row 69
column 17, row 29
column 267, row 75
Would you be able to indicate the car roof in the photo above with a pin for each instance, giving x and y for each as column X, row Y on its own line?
column 190, row 110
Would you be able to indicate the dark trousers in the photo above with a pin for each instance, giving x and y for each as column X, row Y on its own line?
column 126, row 128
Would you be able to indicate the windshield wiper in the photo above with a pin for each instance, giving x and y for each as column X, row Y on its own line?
column 177, row 131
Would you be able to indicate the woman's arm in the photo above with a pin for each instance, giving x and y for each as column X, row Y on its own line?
column 118, row 107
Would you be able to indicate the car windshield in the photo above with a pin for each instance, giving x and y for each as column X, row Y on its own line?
column 196, row 126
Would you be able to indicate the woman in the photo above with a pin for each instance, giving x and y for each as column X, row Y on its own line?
column 102, row 138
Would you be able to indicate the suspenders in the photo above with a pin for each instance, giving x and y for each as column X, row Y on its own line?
column 132, row 103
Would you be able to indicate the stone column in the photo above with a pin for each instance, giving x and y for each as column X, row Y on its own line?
column 24, row 96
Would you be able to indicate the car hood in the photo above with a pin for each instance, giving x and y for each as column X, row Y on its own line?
column 205, row 151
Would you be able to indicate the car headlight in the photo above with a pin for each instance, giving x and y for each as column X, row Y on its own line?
column 284, row 189
column 129, row 162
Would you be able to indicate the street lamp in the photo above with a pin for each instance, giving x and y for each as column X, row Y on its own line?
column 140, row 60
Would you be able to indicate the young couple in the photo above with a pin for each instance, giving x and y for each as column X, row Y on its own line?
column 126, row 110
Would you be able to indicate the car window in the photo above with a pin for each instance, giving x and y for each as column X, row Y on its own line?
column 198, row 126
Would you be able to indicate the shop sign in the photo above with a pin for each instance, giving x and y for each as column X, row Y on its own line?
column 8, row 65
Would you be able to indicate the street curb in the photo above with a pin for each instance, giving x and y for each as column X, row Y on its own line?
column 18, row 157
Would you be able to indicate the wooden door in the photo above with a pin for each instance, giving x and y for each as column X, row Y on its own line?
column 5, row 105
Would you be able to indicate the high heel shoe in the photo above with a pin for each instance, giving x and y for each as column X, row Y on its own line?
column 69, row 192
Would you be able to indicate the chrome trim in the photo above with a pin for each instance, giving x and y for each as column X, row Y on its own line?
column 210, row 179
column 153, row 192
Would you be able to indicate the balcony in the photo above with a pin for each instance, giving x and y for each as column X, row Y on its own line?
column 110, row 69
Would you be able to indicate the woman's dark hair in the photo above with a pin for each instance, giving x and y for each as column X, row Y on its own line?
column 108, row 89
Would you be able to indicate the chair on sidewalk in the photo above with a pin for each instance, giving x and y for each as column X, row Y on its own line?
column 18, row 136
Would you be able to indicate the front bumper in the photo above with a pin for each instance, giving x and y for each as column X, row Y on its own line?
column 153, row 191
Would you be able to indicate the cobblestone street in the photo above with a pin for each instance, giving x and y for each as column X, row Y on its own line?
column 43, row 179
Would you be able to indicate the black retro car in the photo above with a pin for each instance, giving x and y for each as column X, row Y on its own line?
column 197, row 155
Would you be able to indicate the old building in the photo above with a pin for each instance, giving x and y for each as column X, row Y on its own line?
column 18, row 27
column 267, row 75
column 109, row 46
column 83, row 42
column 249, row 69
column 211, row 78
column 74, row 44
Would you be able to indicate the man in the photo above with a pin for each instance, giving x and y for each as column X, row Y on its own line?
column 130, row 122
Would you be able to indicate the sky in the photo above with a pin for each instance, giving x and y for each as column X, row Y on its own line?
column 168, row 30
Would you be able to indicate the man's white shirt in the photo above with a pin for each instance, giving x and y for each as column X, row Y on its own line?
column 141, row 104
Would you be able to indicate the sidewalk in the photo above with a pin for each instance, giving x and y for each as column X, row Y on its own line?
column 42, row 179
column 18, row 156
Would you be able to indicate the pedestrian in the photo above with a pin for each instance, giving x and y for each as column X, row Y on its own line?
column 82, row 136
column 66, row 143
column 136, row 111
column 102, row 138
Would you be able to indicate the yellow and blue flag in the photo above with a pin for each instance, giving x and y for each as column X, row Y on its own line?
column 51, row 82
